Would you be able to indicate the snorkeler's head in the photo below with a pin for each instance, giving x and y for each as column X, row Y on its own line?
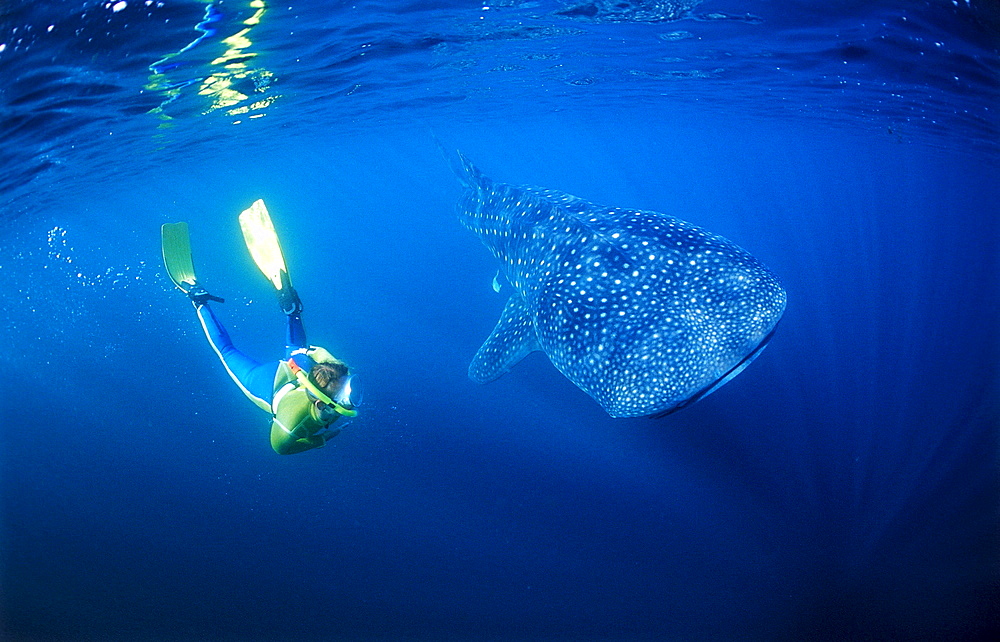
column 327, row 376
column 333, row 379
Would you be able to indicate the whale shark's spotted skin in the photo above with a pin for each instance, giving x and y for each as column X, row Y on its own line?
column 642, row 311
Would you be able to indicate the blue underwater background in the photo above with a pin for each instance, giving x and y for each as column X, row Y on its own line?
column 844, row 487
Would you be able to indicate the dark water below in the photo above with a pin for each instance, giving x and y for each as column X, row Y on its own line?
column 843, row 487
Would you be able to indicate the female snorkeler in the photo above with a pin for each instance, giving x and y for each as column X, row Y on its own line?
column 308, row 391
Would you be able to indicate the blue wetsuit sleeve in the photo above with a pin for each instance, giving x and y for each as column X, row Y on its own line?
column 296, row 334
column 256, row 379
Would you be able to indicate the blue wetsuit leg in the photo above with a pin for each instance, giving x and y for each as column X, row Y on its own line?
column 296, row 335
column 256, row 379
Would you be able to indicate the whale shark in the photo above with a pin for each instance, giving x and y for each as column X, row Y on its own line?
column 642, row 311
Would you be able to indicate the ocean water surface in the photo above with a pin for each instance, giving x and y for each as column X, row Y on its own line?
column 843, row 487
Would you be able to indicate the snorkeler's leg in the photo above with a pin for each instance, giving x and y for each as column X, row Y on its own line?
column 296, row 337
column 254, row 378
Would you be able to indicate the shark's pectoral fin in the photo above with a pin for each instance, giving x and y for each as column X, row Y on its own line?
column 512, row 339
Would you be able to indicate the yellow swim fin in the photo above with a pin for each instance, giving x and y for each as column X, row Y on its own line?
column 176, row 245
column 262, row 241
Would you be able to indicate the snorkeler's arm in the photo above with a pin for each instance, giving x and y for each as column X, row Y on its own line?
column 285, row 444
column 298, row 440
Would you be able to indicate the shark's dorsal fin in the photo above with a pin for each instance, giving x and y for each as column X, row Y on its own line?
column 512, row 339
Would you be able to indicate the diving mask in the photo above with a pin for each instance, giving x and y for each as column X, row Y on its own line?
column 351, row 393
column 344, row 402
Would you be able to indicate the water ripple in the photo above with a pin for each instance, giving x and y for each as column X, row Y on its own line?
column 153, row 74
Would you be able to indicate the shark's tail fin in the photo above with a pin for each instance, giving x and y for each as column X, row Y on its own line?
column 469, row 174
column 466, row 172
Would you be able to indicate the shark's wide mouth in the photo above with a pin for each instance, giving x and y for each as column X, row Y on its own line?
column 718, row 383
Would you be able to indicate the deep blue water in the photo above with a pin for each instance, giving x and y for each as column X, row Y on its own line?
column 845, row 486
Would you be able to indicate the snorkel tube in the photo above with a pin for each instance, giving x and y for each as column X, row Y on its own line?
column 314, row 390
